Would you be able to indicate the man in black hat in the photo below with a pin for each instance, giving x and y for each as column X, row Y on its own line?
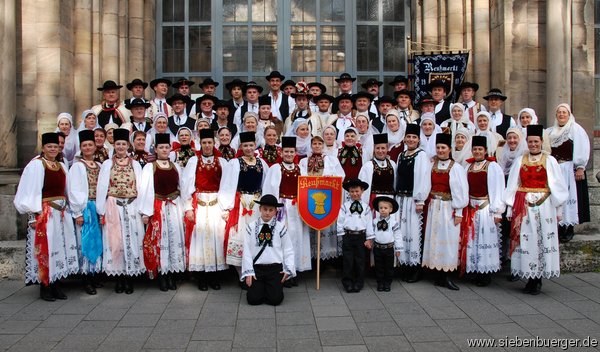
column 139, row 121
column 383, row 106
column 399, row 83
column 466, row 91
column 136, row 87
column 252, row 92
column 288, row 87
column 160, row 86
column 362, row 104
column 280, row 102
column 371, row 86
column 221, row 109
column 344, row 118
column 315, row 89
column 179, row 118
column 111, row 110
column 345, row 87
column 209, row 86
column 183, row 87
column 439, row 90
column 499, row 122
column 268, row 257
column 206, row 103
column 236, row 90
column 320, row 118
column 404, row 99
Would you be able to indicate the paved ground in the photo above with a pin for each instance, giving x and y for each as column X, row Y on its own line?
column 416, row 317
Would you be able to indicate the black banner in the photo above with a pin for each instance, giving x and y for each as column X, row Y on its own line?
column 449, row 68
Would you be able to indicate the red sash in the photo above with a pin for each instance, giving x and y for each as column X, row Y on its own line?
column 152, row 240
column 41, row 244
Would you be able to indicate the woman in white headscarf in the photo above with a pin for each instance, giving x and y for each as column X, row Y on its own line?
column 526, row 117
column 571, row 148
column 395, row 129
column 484, row 129
column 301, row 130
column 365, row 136
column 64, row 124
column 250, row 124
column 428, row 131
column 330, row 143
column 461, row 149
column 89, row 121
column 458, row 119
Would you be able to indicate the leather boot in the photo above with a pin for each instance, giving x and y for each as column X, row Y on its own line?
column 529, row 286
column 57, row 292
column 213, row 281
column 484, row 280
column 128, row 285
column 96, row 281
column 162, row 282
column 536, row 287
column 88, row 285
column 202, row 285
column 119, row 286
column 448, row 282
column 416, row 274
column 46, row 293
column 171, row 282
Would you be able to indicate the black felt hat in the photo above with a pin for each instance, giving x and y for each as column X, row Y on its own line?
column 156, row 81
column 438, row 83
column 207, row 133
column 208, row 81
column 253, row 84
column 444, row 138
column 221, row 104
column 362, row 95
column 136, row 82
column 288, row 82
column 121, row 134
column 178, row 97
column 162, row 138
column 109, row 85
column 204, row 97
column 535, row 130
column 264, row 100
column 86, row 135
column 399, row 79
column 317, row 84
column 370, row 82
column 183, row 82
column 413, row 128
column 345, row 76
column 268, row 200
column 138, row 102
column 288, row 142
column 406, row 92
column 427, row 99
column 380, row 138
column 385, row 99
column 354, row 182
column 235, row 83
column 495, row 93
column 247, row 137
column 275, row 74
column 324, row 96
column 390, row 200
column 466, row 84
column 479, row 141
column 343, row 96
column 50, row 138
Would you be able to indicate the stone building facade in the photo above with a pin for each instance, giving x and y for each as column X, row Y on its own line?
column 56, row 52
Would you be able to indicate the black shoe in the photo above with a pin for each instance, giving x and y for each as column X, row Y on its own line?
column 287, row 283
column 449, row 284
column 162, row 283
column 88, row 285
column 128, row 286
column 171, row 282
column 387, row 287
column 214, row 284
column 380, row 287
column 57, row 292
column 294, row 281
column 120, row 286
column 96, row 282
column 536, row 288
column 415, row 276
column 483, row 280
column 243, row 286
column 529, row 286
column 356, row 288
column 46, row 293
column 512, row 278
column 203, row 286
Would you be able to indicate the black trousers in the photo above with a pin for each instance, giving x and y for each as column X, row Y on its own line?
column 353, row 252
column 384, row 264
column 267, row 288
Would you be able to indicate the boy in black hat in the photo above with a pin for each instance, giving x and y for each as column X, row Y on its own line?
column 387, row 242
column 439, row 91
column 138, row 115
column 466, row 91
column 499, row 121
column 362, row 104
column 160, row 86
column 183, row 87
column 179, row 119
column 315, row 89
column 136, row 87
column 236, row 91
column 354, row 226
column 399, row 83
column 383, row 106
column 320, row 116
column 281, row 103
column 268, row 259
column 252, row 92
column 209, row 86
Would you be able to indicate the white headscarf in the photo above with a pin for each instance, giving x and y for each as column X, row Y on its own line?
column 534, row 119
column 395, row 138
column 453, row 124
column 83, row 116
column 302, row 144
column 72, row 140
column 559, row 134
column 507, row 156
column 491, row 136
column 332, row 150
column 465, row 153
column 428, row 143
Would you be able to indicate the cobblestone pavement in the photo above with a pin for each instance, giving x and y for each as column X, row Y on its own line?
column 419, row 317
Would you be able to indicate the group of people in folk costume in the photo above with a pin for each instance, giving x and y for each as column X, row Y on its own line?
column 451, row 186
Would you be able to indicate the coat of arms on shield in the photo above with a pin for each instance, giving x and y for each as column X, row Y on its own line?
column 319, row 200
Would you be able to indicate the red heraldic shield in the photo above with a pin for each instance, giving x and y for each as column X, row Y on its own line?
column 319, row 200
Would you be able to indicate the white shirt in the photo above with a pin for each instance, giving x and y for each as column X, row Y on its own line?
column 237, row 116
column 496, row 120
column 391, row 235
column 348, row 221
column 342, row 123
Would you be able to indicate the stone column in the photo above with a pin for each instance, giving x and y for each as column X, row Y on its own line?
column 8, row 84
column 558, row 56
column 135, row 65
column 149, row 42
column 83, row 75
column 110, row 40
column 481, row 45
column 430, row 25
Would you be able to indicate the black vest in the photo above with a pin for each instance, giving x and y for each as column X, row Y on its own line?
column 232, row 127
column 232, row 108
column 444, row 114
column 189, row 123
column 405, row 179
column 504, row 126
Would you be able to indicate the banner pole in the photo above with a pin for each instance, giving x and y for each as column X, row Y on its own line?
column 318, row 260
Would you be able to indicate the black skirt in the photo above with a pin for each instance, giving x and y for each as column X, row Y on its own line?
column 583, row 200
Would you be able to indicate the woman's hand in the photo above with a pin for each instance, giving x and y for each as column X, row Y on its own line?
column 419, row 208
column 580, row 174
column 457, row 220
column 145, row 219
column 497, row 220
column 189, row 215
column 249, row 280
column 225, row 215
column 79, row 220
